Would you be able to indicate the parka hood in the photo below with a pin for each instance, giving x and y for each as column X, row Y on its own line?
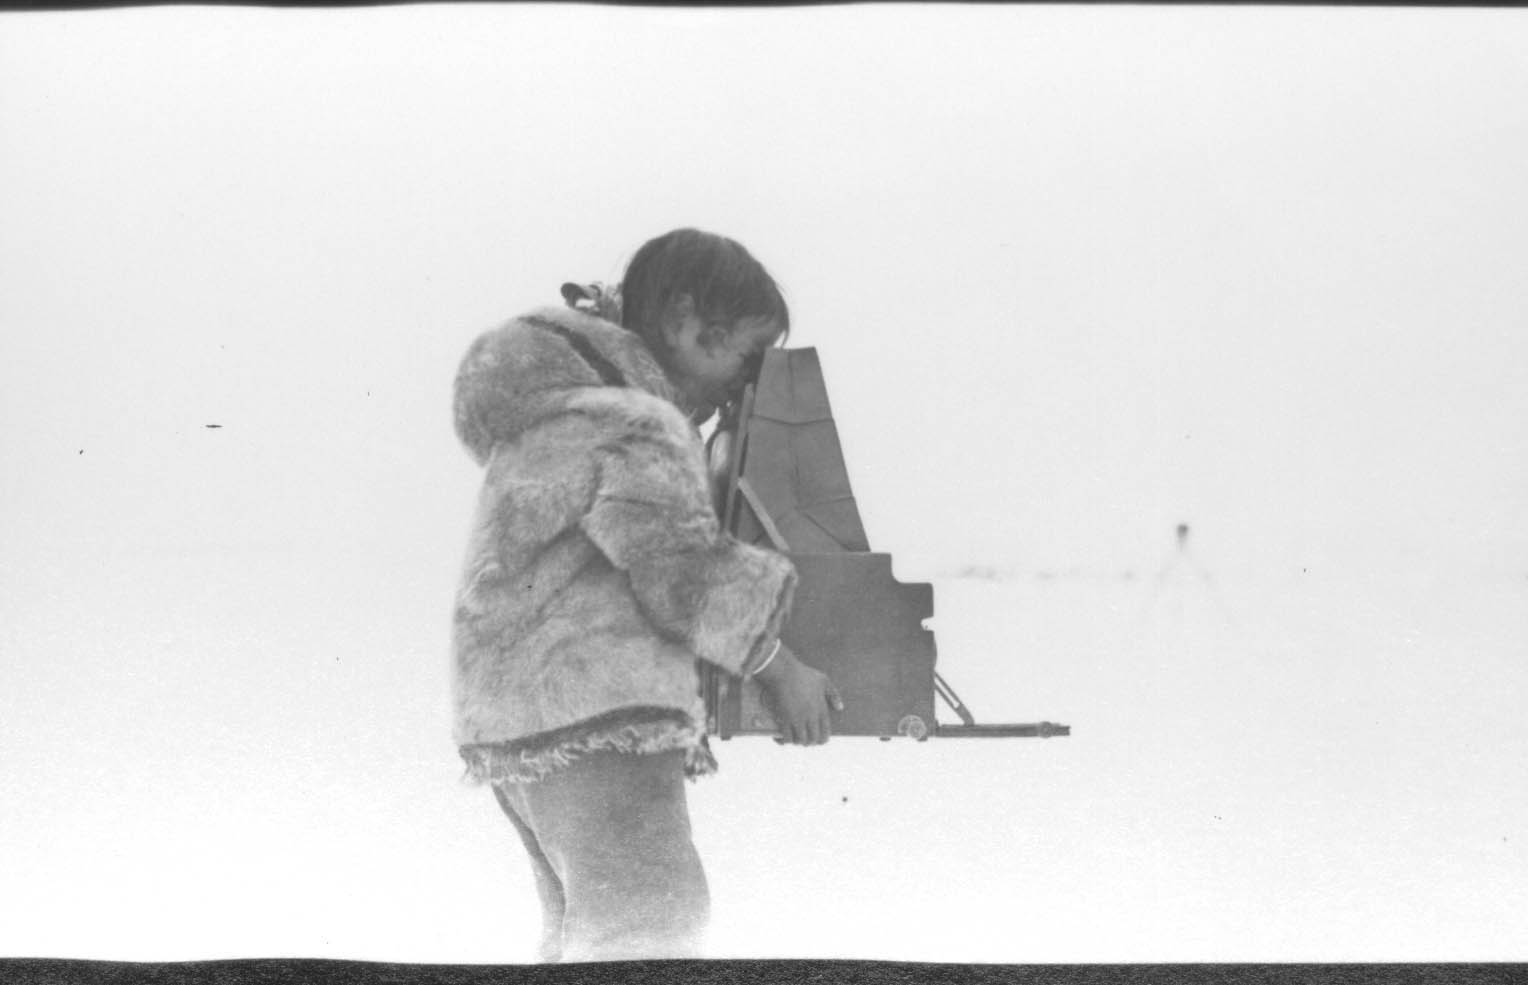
column 546, row 362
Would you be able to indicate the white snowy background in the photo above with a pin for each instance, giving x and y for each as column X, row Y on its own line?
column 1076, row 275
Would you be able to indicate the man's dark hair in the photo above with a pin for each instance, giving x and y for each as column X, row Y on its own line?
column 723, row 280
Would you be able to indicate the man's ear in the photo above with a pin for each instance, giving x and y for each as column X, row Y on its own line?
column 679, row 309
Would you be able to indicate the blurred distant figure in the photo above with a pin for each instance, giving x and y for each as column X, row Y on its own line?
column 1183, row 559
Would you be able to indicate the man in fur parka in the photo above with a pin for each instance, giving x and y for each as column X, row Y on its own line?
column 597, row 575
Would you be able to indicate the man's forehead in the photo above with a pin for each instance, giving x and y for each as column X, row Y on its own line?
column 759, row 329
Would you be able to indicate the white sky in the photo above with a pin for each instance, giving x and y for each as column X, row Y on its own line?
column 1075, row 274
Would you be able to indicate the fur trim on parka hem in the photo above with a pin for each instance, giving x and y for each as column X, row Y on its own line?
column 634, row 731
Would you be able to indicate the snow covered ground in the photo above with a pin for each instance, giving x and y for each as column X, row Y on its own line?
column 247, row 755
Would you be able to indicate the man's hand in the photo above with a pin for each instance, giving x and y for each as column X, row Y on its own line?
column 799, row 697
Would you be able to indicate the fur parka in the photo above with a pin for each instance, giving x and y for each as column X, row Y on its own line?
column 596, row 571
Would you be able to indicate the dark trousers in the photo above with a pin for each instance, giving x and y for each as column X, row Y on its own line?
column 616, row 870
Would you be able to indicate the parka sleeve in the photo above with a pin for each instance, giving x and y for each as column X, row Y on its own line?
column 651, row 515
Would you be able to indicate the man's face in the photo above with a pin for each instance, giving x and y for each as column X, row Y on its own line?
column 711, row 362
